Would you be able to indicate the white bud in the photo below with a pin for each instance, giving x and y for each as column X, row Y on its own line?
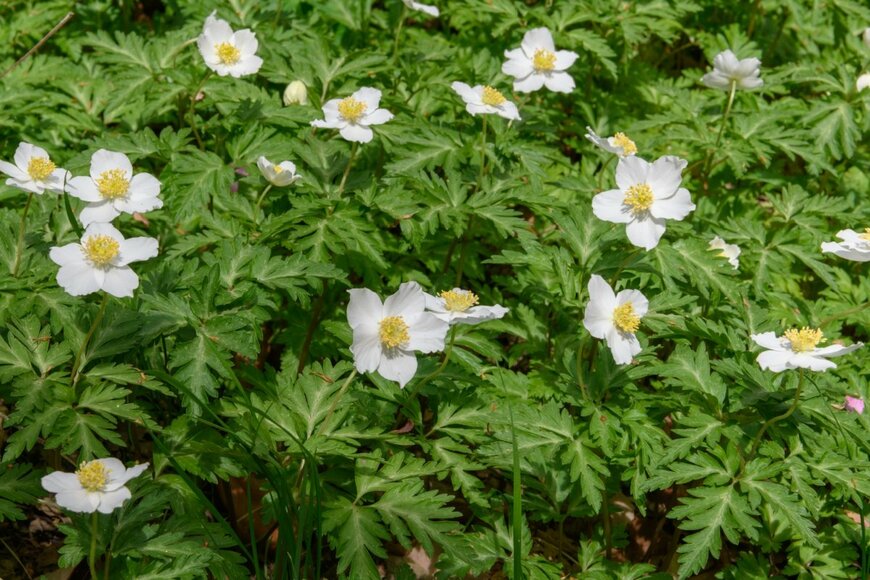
column 867, row 37
column 863, row 82
column 295, row 94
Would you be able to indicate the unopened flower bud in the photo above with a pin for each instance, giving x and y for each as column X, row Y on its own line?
column 295, row 94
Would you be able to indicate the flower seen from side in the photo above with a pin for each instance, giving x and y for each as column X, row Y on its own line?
column 227, row 52
column 279, row 175
column 615, row 318
column 648, row 194
column 101, row 261
column 855, row 246
column 485, row 100
column 729, row 251
column 458, row 306
column 98, row 485
column 34, row 171
column 798, row 348
column 426, row 8
column 728, row 69
column 353, row 115
column 854, row 404
column 537, row 63
column 619, row 144
column 386, row 334
column 296, row 93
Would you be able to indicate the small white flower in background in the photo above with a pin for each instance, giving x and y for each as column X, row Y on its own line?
column 296, row 93
column 728, row 69
column 385, row 335
column 353, row 115
column 619, row 143
column 615, row 318
column 100, row 261
column 863, row 82
column 854, row 404
column 866, row 36
column 279, row 175
column 427, row 8
column 97, row 485
column 798, row 349
column 730, row 251
column 854, row 246
column 648, row 194
column 459, row 306
column 537, row 63
column 34, row 171
column 481, row 100
column 227, row 52
column 112, row 189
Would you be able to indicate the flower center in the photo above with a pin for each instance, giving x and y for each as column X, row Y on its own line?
column 628, row 146
column 113, row 183
column 351, row 109
column 458, row 301
column 639, row 197
column 492, row 97
column 277, row 168
column 393, row 332
column 101, row 249
column 93, row 475
column 227, row 53
column 865, row 235
column 805, row 339
column 40, row 167
column 625, row 318
column 544, row 60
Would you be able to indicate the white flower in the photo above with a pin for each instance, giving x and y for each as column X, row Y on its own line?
column 427, row 8
column 97, row 485
column 227, row 52
column 728, row 69
column 353, row 115
column 296, row 93
column 866, row 36
column 730, row 251
column 537, row 63
column 279, row 175
column 385, row 335
column 34, row 171
column 854, row 246
column 797, row 349
column 615, row 318
column 619, row 143
column 459, row 306
column 863, row 82
column 100, row 261
column 648, row 194
column 482, row 100
column 112, row 189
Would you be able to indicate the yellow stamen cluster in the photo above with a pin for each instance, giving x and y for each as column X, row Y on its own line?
column 393, row 332
column 625, row 318
column 458, row 301
column 40, row 167
column 227, row 53
column 492, row 97
column 544, row 60
column 113, row 183
column 351, row 109
column 804, row 340
column 628, row 146
column 101, row 249
column 277, row 168
column 639, row 197
column 865, row 235
column 93, row 476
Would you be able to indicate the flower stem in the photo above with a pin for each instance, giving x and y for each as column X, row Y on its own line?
column 419, row 386
column 778, row 418
column 192, row 110
column 92, row 558
column 262, row 197
column 727, row 112
column 97, row 319
column 482, row 154
column 399, row 33
column 19, row 249
column 353, row 150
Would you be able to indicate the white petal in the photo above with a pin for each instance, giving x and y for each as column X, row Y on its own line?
column 675, row 207
column 715, row 80
column 559, row 82
column 478, row 314
column 377, row 117
column 537, row 38
column 68, row 254
column 837, row 349
column 103, row 160
column 357, row 133
column 776, row 361
column 622, row 346
column 663, row 178
column 246, row 66
column 13, row 171
column 808, row 361
column 601, row 293
column 365, row 307
column 84, row 188
column 24, row 153
column 468, row 94
column 427, row 333
column 434, row 303
column 78, row 279
column 645, row 233
column 598, row 320
column 531, row 83
column 79, row 501
column 58, row 481
column 120, row 282
column 637, row 299
column 245, row 41
column 408, row 301
column 137, row 250
column 366, row 348
column 609, row 206
column 111, row 500
column 102, row 212
column 333, row 124
column 519, row 67
column 398, row 366
column 217, row 29
column 631, row 171
column 768, row 340
column 564, row 59
column 509, row 110
column 369, row 96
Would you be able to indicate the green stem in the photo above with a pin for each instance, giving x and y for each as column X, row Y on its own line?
column 580, row 380
column 517, row 516
column 92, row 558
column 601, row 173
column 261, row 197
column 19, row 249
column 605, row 519
column 419, row 386
column 399, row 33
column 97, row 319
column 844, row 313
column 710, row 152
column 778, row 418
column 482, row 155
column 353, row 150
column 192, row 110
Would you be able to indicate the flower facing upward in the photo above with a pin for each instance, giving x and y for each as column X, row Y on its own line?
column 427, row 8
column 619, row 143
column 855, row 246
column 537, row 63
column 728, row 69
column 798, row 348
column 227, row 52
column 484, row 100
column 854, row 404
column 278, row 175
column 459, row 306
column 97, row 485
column 385, row 335
column 34, row 171
column 352, row 115
column 100, row 261
column 112, row 189
column 730, row 251
column 615, row 318
column 648, row 194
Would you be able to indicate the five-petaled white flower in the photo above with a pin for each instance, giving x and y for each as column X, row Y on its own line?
column 227, row 52
column 730, row 251
column 352, row 115
column 97, row 485
column 385, row 335
column 728, row 69
column 427, row 8
column 648, row 194
column 100, row 261
column 537, row 63
column 459, row 306
column 854, row 246
column 112, row 189
column 615, row 318
column 798, row 349
column 279, row 175
column 34, row 171
column 619, row 143
column 484, row 100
